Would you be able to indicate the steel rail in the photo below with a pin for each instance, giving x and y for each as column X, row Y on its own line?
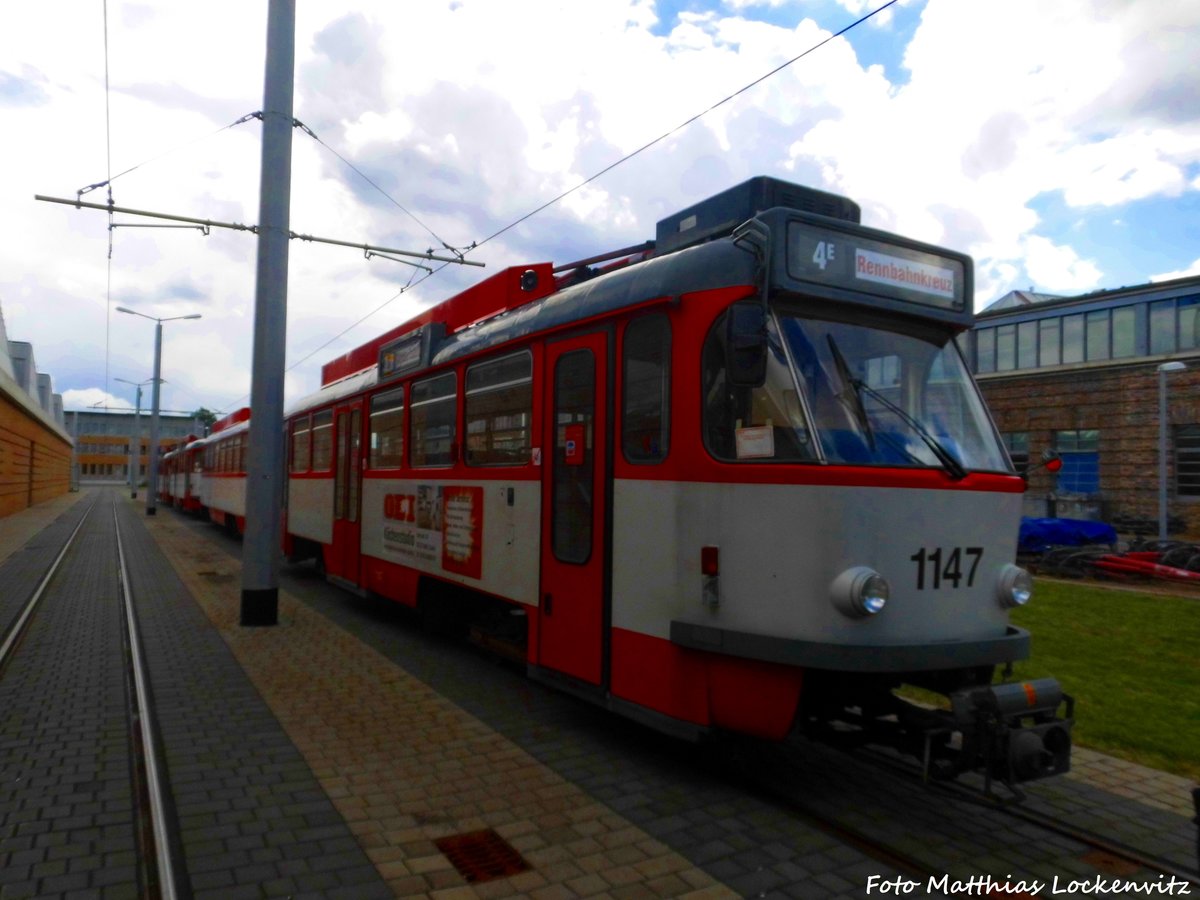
column 18, row 628
column 1088, row 838
column 158, row 814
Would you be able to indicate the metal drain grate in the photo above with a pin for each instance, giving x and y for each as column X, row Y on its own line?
column 482, row 855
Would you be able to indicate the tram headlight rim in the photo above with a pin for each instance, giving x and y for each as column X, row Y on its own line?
column 860, row 592
column 1014, row 587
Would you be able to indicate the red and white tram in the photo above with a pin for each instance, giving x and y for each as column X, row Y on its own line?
column 181, row 475
column 223, row 486
column 740, row 478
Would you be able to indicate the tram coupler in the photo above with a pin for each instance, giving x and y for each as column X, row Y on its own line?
column 1013, row 732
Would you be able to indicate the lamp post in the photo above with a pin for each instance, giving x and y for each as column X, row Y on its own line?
column 152, row 475
column 1162, row 443
column 135, row 446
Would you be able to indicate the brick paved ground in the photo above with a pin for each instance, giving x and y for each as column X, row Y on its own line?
column 404, row 766
column 67, row 821
column 253, row 820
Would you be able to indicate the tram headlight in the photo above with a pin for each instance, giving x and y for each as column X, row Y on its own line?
column 860, row 591
column 1014, row 587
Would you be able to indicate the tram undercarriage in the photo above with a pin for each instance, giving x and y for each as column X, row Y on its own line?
column 1009, row 733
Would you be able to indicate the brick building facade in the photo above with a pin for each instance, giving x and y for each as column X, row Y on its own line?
column 1080, row 375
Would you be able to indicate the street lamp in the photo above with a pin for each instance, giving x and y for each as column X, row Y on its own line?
column 1162, row 443
column 135, row 446
column 152, row 486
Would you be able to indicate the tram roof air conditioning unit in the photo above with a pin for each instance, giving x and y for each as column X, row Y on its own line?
column 718, row 215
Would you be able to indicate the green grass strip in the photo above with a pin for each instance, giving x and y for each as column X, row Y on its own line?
column 1132, row 662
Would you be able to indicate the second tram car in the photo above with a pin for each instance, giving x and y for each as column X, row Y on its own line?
column 737, row 478
column 223, row 490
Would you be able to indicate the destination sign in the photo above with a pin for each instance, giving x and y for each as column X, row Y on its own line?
column 401, row 355
column 854, row 262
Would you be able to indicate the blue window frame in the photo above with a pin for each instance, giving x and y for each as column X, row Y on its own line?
column 1080, row 452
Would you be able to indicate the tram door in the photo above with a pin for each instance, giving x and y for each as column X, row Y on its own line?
column 347, row 488
column 571, row 630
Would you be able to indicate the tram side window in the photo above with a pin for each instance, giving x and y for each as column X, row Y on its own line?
column 301, row 443
column 499, row 411
column 763, row 424
column 387, row 430
column 646, row 382
column 433, row 419
column 322, row 441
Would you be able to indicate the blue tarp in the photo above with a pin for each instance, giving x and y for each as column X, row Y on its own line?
column 1037, row 535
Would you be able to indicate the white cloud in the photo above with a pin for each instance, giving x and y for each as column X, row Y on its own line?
column 94, row 397
column 1058, row 268
column 1193, row 269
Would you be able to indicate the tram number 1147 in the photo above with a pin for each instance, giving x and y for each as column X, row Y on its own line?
column 939, row 567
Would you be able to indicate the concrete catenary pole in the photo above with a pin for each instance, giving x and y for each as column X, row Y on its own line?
column 264, row 471
column 135, row 455
column 152, row 484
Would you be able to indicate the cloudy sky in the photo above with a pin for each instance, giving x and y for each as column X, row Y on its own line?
column 1056, row 142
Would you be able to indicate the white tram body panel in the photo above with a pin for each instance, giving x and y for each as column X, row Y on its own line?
column 197, row 486
column 782, row 546
column 227, row 494
column 204, row 489
column 310, row 508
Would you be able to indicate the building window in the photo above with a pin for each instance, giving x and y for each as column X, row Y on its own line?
column 1080, row 452
column 1162, row 326
column 1049, row 353
column 1006, row 348
column 1124, row 332
column 1027, row 336
column 985, row 350
column 1072, row 339
column 1097, row 335
column 498, row 409
column 1187, row 460
column 1017, row 443
column 1189, row 323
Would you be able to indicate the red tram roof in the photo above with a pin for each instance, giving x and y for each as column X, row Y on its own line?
column 241, row 415
column 488, row 298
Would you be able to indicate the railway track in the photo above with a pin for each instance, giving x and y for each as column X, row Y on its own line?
column 1111, row 853
column 1117, row 868
column 79, row 722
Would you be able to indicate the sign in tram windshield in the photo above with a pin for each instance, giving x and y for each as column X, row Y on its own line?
column 878, row 265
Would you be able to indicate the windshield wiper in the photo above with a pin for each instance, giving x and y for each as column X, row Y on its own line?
column 852, row 389
column 950, row 463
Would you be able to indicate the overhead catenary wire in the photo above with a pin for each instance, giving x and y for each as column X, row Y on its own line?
column 460, row 253
column 592, row 178
column 312, row 134
column 684, row 124
column 87, row 189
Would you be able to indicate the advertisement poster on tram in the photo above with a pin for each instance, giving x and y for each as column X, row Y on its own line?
column 438, row 526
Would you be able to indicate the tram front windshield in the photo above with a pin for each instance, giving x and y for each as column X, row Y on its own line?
column 851, row 394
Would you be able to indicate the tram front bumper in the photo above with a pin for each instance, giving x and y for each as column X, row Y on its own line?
column 863, row 658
